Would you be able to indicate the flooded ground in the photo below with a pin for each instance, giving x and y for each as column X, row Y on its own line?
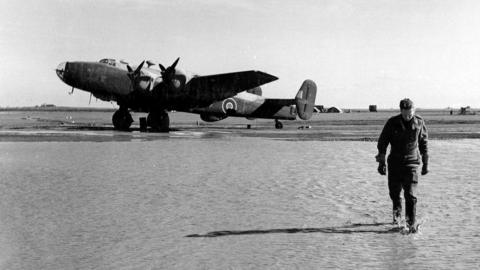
column 199, row 199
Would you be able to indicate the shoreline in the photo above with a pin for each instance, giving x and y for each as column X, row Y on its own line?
column 95, row 125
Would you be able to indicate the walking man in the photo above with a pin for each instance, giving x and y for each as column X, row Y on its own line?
column 407, row 135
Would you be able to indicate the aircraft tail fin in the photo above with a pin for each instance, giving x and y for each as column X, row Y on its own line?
column 305, row 99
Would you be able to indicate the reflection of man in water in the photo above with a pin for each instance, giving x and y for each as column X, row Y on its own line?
column 407, row 135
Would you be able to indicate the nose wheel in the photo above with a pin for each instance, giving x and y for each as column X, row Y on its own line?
column 122, row 119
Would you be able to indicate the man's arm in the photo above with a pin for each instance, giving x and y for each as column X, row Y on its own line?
column 423, row 139
column 384, row 139
column 423, row 147
column 382, row 145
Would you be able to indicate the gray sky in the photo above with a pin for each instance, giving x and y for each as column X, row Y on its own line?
column 358, row 52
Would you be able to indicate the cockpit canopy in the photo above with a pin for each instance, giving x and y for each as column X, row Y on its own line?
column 111, row 62
column 115, row 63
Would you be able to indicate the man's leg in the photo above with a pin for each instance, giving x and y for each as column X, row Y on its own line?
column 395, row 188
column 410, row 193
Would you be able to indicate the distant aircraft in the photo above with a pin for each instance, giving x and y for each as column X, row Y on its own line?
column 157, row 91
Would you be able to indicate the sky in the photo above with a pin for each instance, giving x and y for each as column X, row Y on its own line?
column 358, row 52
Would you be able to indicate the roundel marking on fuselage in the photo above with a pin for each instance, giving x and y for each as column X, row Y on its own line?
column 229, row 104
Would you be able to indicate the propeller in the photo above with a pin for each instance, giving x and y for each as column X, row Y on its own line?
column 169, row 72
column 134, row 74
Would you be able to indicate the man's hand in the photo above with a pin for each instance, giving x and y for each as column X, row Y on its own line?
column 424, row 169
column 425, row 164
column 382, row 168
column 380, row 158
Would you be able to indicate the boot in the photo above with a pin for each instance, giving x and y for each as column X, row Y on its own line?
column 410, row 215
column 412, row 224
column 397, row 216
column 413, row 228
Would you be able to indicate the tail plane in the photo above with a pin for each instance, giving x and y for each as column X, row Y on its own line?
column 305, row 99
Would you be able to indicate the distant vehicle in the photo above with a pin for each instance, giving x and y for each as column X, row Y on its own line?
column 157, row 91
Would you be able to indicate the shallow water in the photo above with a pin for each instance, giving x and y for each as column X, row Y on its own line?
column 255, row 203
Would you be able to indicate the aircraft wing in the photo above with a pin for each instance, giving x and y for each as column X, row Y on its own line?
column 221, row 86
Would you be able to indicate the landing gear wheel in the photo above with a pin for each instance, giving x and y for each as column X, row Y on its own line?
column 278, row 124
column 158, row 121
column 122, row 119
column 143, row 124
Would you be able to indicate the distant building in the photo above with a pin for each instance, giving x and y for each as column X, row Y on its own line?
column 466, row 110
column 44, row 105
column 334, row 110
column 372, row 108
column 319, row 109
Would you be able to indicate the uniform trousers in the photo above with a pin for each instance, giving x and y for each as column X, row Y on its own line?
column 406, row 178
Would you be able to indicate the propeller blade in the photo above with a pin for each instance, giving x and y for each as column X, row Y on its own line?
column 175, row 63
column 137, row 71
column 134, row 74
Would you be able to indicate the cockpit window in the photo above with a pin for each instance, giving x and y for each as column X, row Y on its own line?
column 110, row 62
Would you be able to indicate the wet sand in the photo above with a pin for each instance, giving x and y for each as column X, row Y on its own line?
column 219, row 195
column 95, row 125
column 229, row 203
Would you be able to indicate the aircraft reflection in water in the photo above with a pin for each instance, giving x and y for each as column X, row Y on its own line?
column 157, row 91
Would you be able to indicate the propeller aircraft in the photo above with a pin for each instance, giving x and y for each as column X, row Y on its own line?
column 157, row 91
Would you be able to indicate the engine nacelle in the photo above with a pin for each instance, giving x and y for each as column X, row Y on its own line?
column 211, row 117
column 257, row 91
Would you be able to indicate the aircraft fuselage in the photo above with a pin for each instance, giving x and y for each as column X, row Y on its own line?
column 111, row 83
column 103, row 81
column 156, row 91
column 251, row 105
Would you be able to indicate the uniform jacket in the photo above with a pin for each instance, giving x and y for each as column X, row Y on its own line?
column 407, row 141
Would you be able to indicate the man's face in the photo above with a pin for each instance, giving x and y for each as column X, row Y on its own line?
column 407, row 114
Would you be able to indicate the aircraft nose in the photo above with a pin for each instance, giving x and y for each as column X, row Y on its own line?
column 61, row 70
